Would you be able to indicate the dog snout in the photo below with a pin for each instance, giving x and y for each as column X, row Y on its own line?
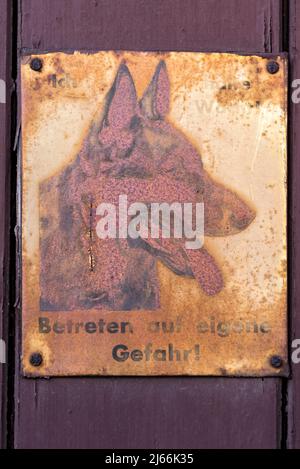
column 242, row 220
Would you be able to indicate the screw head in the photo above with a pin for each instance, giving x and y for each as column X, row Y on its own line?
column 276, row 361
column 36, row 359
column 36, row 64
column 273, row 67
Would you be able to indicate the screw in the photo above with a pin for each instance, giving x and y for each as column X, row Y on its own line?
column 273, row 67
column 36, row 359
column 276, row 361
column 36, row 65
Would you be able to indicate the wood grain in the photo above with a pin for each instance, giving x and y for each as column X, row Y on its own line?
column 5, row 33
column 149, row 412
column 192, row 25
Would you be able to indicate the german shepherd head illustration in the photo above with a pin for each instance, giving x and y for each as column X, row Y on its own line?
column 132, row 149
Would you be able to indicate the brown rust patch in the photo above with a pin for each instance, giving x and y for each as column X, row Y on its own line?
column 261, row 86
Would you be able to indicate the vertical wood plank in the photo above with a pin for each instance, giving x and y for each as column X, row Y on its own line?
column 5, row 31
column 294, row 384
column 149, row 412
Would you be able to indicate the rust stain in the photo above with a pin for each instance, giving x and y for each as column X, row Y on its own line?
column 99, row 125
column 257, row 88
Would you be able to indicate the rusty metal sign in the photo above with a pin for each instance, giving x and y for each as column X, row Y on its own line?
column 154, row 214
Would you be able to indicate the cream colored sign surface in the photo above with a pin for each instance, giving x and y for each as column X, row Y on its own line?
column 156, row 128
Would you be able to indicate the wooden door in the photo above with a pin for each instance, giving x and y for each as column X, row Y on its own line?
column 156, row 412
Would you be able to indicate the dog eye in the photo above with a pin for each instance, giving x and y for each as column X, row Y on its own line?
column 44, row 222
column 135, row 122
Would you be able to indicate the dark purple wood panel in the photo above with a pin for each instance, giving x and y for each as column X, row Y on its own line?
column 217, row 25
column 5, row 17
column 294, row 384
column 149, row 412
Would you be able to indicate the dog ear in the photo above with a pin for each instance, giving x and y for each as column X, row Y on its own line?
column 121, row 105
column 156, row 100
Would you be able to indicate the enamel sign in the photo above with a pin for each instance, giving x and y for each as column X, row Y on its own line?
column 154, row 214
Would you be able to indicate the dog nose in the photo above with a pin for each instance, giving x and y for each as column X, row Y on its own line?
column 241, row 221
